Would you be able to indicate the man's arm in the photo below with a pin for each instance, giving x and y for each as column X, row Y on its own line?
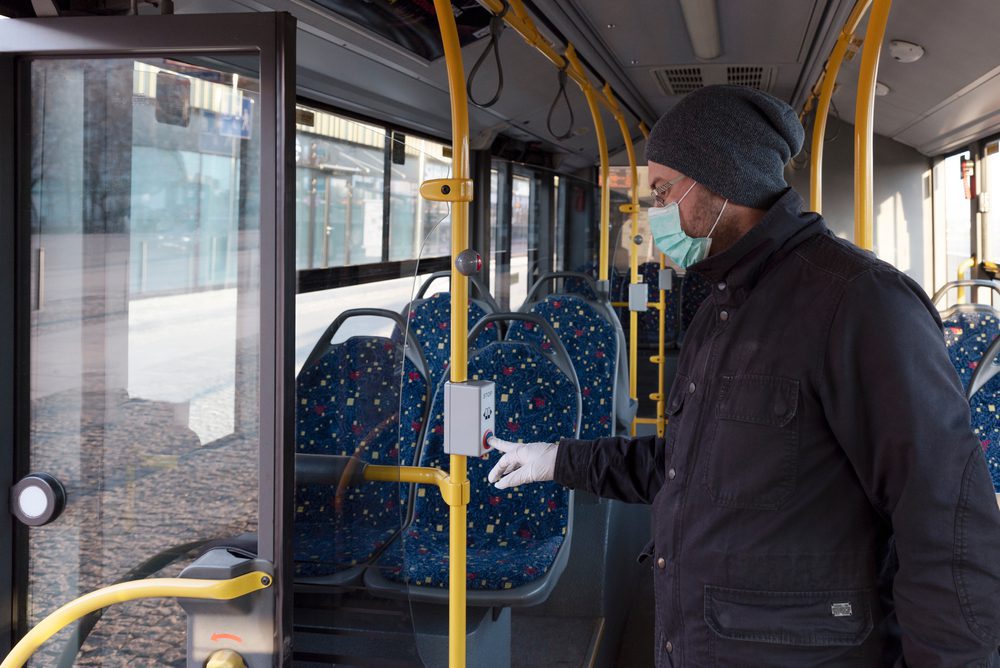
column 627, row 469
column 894, row 403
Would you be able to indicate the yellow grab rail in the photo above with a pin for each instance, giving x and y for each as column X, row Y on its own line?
column 633, row 251
column 602, row 147
column 962, row 268
column 519, row 19
column 826, row 84
column 217, row 590
column 459, row 362
column 864, row 208
column 453, row 493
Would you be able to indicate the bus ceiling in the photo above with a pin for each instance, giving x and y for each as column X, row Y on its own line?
column 383, row 60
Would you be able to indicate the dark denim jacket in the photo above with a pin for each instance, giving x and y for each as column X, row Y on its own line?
column 819, row 496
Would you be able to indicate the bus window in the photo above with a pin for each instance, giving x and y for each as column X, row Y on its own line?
column 520, row 217
column 991, row 191
column 957, row 222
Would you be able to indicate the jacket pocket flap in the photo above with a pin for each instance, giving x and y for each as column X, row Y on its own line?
column 678, row 390
column 768, row 400
column 819, row 618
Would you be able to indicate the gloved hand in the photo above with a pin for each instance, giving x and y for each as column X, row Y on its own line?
column 522, row 463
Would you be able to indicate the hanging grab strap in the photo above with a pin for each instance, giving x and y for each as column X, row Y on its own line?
column 496, row 29
column 561, row 92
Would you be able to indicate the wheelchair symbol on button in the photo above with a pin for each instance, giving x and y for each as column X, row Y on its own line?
column 488, row 413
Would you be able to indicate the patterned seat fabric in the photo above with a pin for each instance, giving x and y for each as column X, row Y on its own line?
column 967, row 336
column 592, row 344
column 695, row 289
column 348, row 403
column 513, row 535
column 984, row 406
column 430, row 326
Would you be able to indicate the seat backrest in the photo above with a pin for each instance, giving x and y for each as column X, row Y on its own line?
column 695, row 289
column 592, row 341
column 968, row 332
column 365, row 397
column 429, row 324
column 537, row 399
column 984, row 405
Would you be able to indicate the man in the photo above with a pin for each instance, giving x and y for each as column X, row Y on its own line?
column 819, row 496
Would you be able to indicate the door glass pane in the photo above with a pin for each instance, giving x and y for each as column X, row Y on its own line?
column 144, row 341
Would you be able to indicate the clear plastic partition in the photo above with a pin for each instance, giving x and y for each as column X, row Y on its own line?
column 368, row 358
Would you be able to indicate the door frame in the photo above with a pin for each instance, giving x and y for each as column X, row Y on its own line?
column 272, row 37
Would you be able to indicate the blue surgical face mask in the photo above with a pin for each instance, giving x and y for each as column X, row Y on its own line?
column 669, row 236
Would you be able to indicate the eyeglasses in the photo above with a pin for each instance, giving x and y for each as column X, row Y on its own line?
column 660, row 191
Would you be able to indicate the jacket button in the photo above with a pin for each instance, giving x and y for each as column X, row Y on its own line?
column 671, row 474
column 723, row 315
column 721, row 285
column 691, row 388
column 661, row 563
column 669, row 646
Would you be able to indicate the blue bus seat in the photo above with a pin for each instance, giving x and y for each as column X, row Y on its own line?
column 984, row 403
column 429, row 324
column 597, row 333
column 365, row 397
column 518, row 539
column 969, row 329
column 695, row 289
column 592, row 340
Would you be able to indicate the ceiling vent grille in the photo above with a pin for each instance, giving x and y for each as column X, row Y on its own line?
column 684, row 79
column 752, row 76
column 680, row 80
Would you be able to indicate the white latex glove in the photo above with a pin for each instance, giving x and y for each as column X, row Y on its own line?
column 522, row 463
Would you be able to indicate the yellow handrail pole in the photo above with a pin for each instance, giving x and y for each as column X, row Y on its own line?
column 828, row 80
column 644, row 129
column 962, row 268
column 661, row 418
column 864, row 209
column 520, row 20
column 459, row 323
column 602, row 146
column 633, row 250
column 217, row 590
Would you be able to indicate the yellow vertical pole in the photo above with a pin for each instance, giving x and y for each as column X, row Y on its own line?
column 633, row 253
column 459, row 323
column 828, row 83
column 863, row 115
column 602, row 145
column 661, row 360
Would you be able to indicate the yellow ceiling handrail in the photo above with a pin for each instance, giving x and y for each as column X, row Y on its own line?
column 826, row 83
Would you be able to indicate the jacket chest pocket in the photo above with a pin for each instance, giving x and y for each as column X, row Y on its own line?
column 753, row 456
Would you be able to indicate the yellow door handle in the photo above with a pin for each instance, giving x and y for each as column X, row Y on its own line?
column 218, row 590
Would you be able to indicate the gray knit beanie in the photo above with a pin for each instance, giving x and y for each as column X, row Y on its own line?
column 733, row 139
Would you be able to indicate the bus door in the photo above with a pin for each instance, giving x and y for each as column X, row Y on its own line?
column 147, row 367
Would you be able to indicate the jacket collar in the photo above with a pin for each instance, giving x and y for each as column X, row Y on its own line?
column 782, row 228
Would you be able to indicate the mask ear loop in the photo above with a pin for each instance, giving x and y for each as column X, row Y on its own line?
column 716, row 223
